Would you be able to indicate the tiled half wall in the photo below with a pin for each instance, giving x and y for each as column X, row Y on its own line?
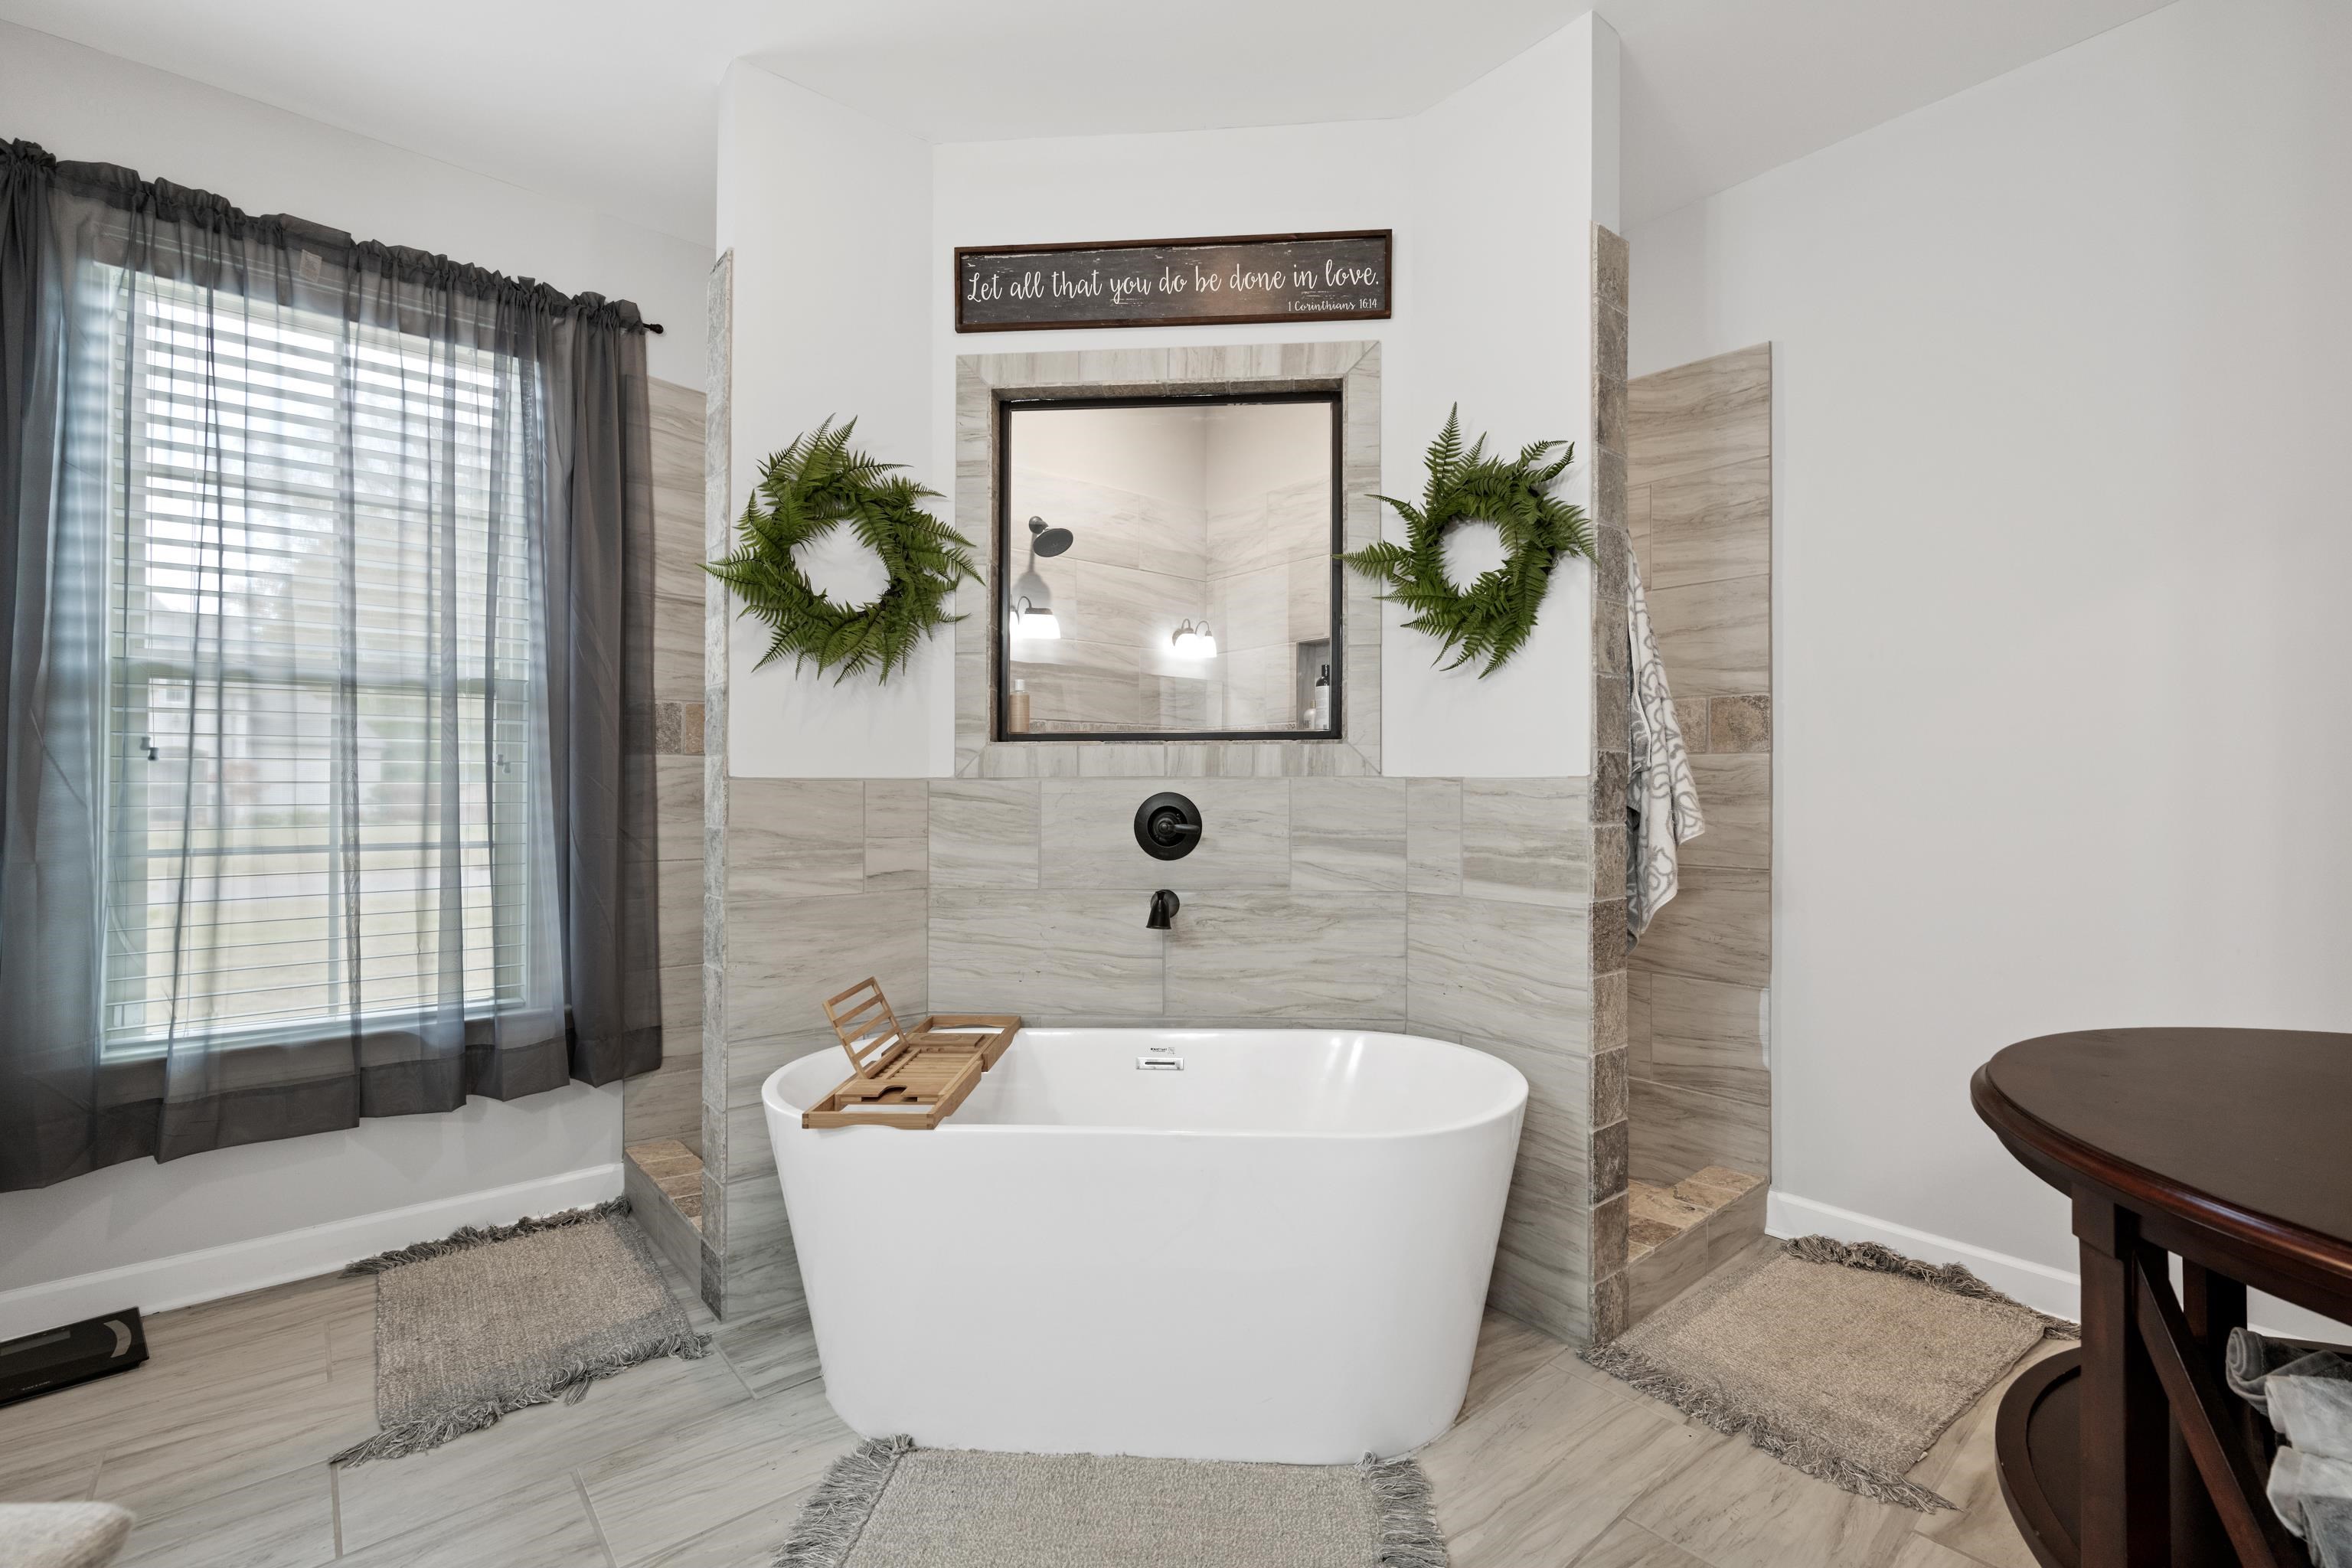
column 1443, row 907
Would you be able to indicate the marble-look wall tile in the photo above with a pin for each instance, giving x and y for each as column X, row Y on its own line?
column 1347, row 835
column 665, row 1102
column 1716, row 637
column 984, row 833
column 681, row 1009
column 1679, row 1131
column 1505, row 971
column 748, row 1150
column 1701, row 416
column 1709, row 1037
column 1637, row 1021
column 1277, row 956
column 677, row 648
column 1720, row 927
column 678, row 808
column 1734, row 794
column 748, row 1062
column 1542, row 1269
column 1433, row 835
column 1086, row 835
column 762, row 1269
column 678, row 911
column 897, row 808
column 896, row 863
column 1045, row 952
column 898, row 834
column 796, row 837
column 1524, row 841
column 786, row 955
column 1711, row 525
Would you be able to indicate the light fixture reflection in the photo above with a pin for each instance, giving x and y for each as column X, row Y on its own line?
column 1034, row 623
column 1194, row 642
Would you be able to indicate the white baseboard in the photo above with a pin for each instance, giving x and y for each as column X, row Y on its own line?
column 184, row 1278
column 2056, row 1291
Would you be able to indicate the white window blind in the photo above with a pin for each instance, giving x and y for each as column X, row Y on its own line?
column 322, row 621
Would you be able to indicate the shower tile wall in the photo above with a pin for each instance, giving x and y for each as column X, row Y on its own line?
column 668, row 1104
column 1700, row 500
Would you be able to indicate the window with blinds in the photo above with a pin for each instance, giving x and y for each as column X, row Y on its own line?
column 323, row 624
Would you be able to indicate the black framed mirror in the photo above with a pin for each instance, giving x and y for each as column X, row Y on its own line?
column 1169, row 568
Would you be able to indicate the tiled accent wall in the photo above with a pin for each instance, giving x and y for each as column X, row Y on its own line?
column 1443, row 907
column 667, row 1103
column 1322, row 893
column 1700, row 499
column 1612, row 739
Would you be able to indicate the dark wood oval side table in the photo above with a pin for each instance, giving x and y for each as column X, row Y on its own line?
column 2232, row 1150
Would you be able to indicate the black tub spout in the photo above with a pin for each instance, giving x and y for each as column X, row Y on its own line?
column 1164, row 905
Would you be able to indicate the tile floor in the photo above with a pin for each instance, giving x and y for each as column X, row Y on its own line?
column 220, row 1443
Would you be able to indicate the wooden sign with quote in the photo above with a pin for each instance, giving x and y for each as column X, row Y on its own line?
column 1173, row 283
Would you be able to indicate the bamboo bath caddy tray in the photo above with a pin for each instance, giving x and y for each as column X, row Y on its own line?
column 912, row 1079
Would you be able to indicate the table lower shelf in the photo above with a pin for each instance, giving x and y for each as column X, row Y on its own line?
column 2037, row 1446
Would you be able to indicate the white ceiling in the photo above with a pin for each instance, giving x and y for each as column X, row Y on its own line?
column 610, row 103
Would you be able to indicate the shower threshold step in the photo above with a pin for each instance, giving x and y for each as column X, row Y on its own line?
column 1658, row 1215
column 677, row 1170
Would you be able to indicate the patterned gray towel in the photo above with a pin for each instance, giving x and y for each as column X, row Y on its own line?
column 1661, row 797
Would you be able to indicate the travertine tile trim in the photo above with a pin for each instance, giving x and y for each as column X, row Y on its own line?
column 716, row 615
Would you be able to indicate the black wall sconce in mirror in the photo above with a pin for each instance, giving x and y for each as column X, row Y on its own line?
column 1167, row 827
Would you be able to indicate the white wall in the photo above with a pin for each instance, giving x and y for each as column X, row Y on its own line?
column 1492, row 312
column 1505, row 190
column 831, row 320
column 89, row 106
column 149, row 1235
column 2061, row 536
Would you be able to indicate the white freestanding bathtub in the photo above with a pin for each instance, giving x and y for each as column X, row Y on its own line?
column 1278, row 1251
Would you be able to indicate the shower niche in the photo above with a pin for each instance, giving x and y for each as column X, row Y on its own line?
column 1169, row 568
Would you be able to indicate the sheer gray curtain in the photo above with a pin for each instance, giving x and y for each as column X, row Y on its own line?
column 326, row 763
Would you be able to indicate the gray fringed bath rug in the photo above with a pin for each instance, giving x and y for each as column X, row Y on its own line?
column 1846, row 1361
column 888, row 1504
column 489, row 1321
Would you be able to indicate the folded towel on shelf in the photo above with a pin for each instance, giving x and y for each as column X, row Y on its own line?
column 2314, row 1413
column 2313, row 1496
column 2252, row 1357
column 2307, row 1395
column 1661, row 797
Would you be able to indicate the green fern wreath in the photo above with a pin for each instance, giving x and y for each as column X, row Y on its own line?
column 803, row 492
column 1491, row 618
